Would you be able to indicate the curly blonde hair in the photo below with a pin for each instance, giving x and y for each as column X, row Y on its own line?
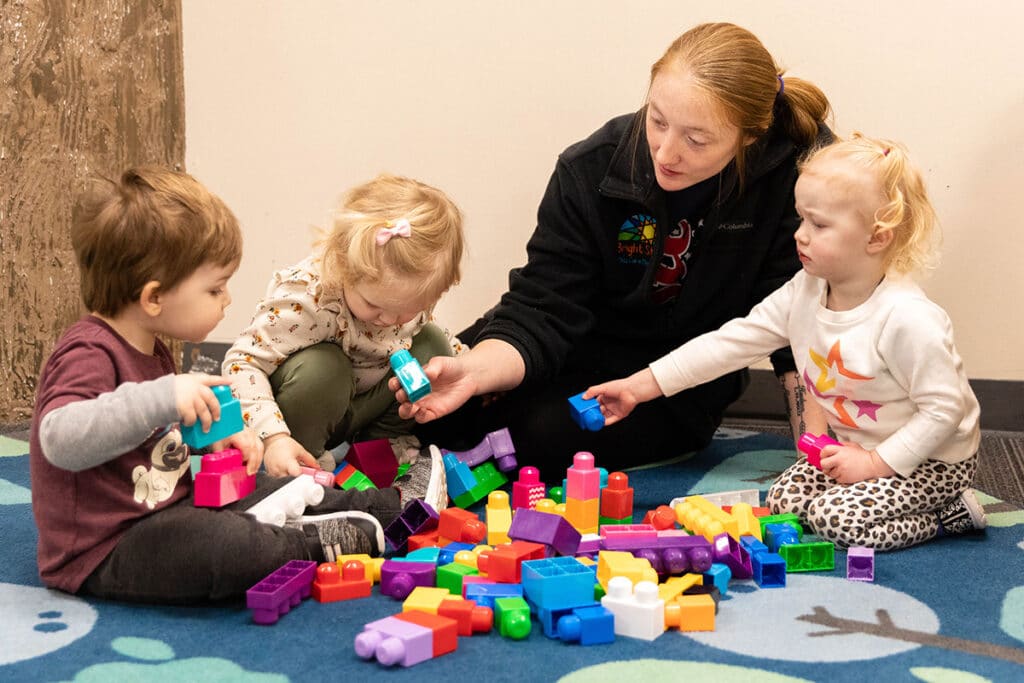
column 907, row 211
column 432, row 253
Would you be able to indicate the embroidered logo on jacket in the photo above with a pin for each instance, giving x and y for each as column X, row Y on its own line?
column 636, row 239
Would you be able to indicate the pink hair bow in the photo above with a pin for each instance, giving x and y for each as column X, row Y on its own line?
column 399, row 228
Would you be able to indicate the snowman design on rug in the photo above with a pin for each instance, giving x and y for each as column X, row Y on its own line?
column 170, row 458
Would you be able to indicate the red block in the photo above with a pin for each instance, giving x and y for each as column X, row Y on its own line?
column 351, row 583
column 470, row 617
column 446, row 634
column 617, row 497
column 461, row 526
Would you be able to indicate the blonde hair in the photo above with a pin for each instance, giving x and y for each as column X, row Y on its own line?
column 432, row 253
column 732, row 66
column 906, row 211
column 151, row 224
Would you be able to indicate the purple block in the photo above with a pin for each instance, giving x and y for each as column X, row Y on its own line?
column 281, row 590
column 417, row 518
column 545, row 528
column 727, row 551
column 394, row 641
column 398, row 578
column 860, row 564
column 498, row 445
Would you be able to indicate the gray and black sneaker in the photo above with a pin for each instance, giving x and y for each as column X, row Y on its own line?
column 962, row 515
column 343, row 533
column 425, row 479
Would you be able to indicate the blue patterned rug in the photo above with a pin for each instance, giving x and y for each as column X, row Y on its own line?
column 950, row 610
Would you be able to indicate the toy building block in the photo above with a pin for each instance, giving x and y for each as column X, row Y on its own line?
column 691, row 613
column 222, row 479
column 425, row 539
column 583, row 480
column 281, row 590
column 460, row 477
column 445, row 630
column 719, row 576
column 528, row 489
column 751, row 497
column 590, row 544
column 583, row 514
column 322, row 477
column 617, row 497
column 590, row 625
column 446, row 553
column 348, row 584
column 470, row 617
column 484, row 593
column 425, row 599
column 556, row 493
column 497, row 445
column 416, row 518
column 699, row 516
column 639, row 612
column 785, row 518
column 372, row 565
column 376, row 459
column 461, row 526
column 512, row 615
column 488, row 479
column 768, row 568
column 410, row 374
column 550, row 530
column 586, row 412
column 662, row 517
column 399, row 578
column 427, row 555
column 230, row 421
column 498, row 513
column 558, row 583
column 808, row 557
column 779, row 534
column 612, row 563
column 811, row 445
column 671, row 551
column 347, row 477
column 504, row 562
column 674, row 586
column 451, row 576
column 288, row 502
column 746, row 522
column 734, row 555
column 860, row 564
column 395, row 641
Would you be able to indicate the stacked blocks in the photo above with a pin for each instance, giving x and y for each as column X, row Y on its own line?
column 230, row 421
column 582, row 493
column 617, row 500
column 222, row 479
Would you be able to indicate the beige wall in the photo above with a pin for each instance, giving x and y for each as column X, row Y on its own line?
column 288, row 104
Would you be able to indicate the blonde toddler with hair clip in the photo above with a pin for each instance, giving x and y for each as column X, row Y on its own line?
column 875, row 353
column 311, row 369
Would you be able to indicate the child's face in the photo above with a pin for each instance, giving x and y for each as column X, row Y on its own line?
column 836, row 203
column 384, row 303
column 195, row 305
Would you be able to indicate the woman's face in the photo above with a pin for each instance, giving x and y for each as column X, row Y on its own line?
column 690, row 138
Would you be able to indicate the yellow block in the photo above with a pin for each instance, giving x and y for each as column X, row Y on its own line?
column 700, row 516
column 499, row 517
column 621, row 563
column 425, row 599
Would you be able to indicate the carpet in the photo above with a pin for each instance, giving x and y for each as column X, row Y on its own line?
column 950, row 610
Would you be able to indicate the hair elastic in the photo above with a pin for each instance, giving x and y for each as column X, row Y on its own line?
column 399, row 228
column 782, row 86
column 886, row 151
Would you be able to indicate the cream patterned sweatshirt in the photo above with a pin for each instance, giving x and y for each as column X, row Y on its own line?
column 887, row 372
column 296, row 314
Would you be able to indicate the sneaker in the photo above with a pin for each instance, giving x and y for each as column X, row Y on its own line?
column 425, row 479
column 343, row 533
column 963, row 514
column 406, row 448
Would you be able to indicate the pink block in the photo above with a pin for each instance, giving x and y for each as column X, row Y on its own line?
column 528, row 489
column 582, row 480
column 222, row 479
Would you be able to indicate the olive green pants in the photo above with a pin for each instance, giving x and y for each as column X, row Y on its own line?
column 315, row 391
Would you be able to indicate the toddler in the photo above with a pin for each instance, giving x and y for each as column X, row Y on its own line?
column 111, row 482
column 873, row 351
column 311, row 370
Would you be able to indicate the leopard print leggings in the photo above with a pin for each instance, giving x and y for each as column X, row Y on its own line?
column 885, row 514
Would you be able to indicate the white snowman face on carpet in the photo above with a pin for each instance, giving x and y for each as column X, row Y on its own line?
column 38, row 621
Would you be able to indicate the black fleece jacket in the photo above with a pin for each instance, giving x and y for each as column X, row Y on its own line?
column 584, row 297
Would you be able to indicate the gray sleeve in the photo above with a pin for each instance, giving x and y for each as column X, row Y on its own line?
column 88, row 433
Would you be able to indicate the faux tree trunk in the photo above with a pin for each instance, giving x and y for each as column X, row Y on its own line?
column 88, row 88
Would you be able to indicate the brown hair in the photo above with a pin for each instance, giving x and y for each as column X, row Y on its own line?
column 432, row 253
column 152, row 224
column 736, row 70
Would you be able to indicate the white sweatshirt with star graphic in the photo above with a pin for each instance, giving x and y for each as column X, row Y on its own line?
column 887, row 372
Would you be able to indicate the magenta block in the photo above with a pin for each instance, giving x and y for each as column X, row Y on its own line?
column 528, row 489
column 811, row 445
column 376, row 460
column 222, row 479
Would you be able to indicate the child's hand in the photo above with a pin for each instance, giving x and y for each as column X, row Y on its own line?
column 619, row 397
column 250, row 445
column 195, row 399
column 849, row 464
column 283, row 455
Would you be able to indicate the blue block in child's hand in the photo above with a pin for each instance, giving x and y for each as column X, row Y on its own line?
column 410, row 374
column 230, row 421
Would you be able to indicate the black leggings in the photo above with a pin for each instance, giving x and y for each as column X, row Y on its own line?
column 185, row 554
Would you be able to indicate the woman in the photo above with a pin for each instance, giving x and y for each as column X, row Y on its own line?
column 660, row 226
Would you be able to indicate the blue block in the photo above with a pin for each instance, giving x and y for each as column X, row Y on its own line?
column 769, row 570
column 230, row 421
column 586, row 412
column 484, row 594
column 592, row 625
column 719, row 576
column 558, row 582
column 410, row 374
column 447, row 553
column 460, row 478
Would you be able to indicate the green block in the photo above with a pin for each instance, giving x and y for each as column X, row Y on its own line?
column 809, row 557
column 556, row 494
column 449, row 576
column 358, row 481
column 512, row 615
column 488, row 479
column 608, row 521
